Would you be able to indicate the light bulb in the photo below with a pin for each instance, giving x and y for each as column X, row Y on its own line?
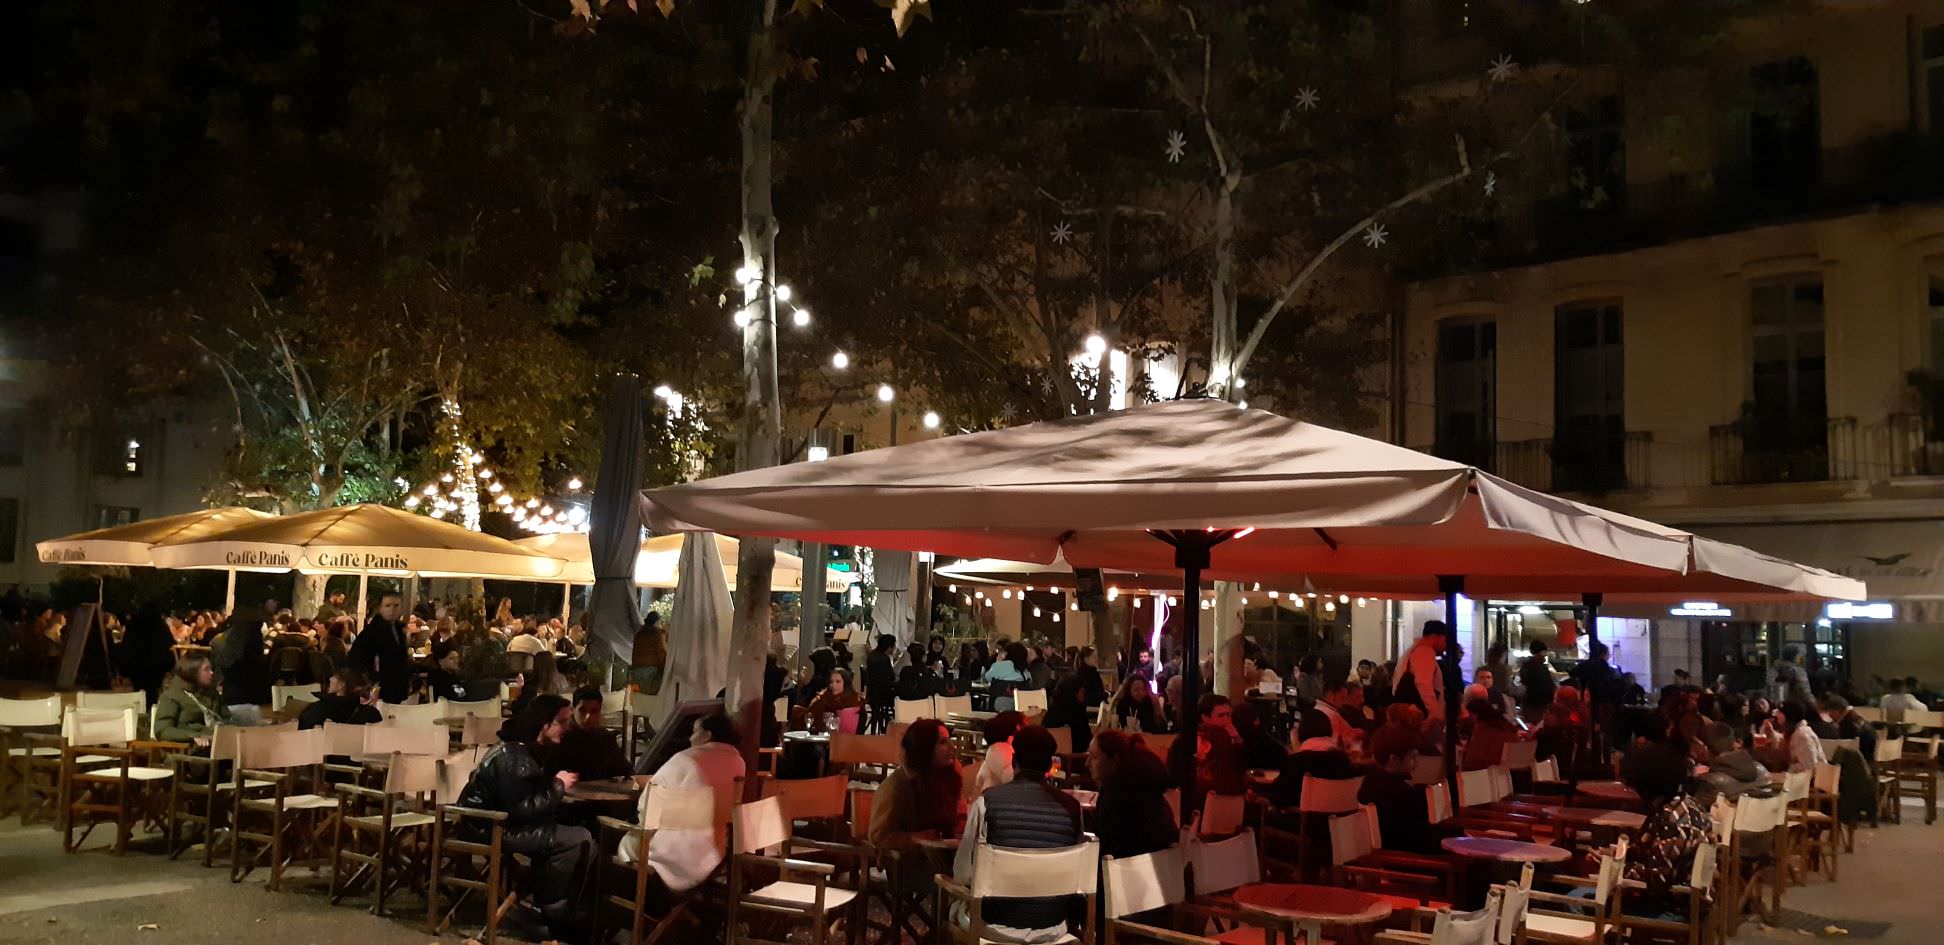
column 1274, row 595
column 1007, row 593
column 1036, row 612
column 438, row 513
column 478, row 457
column 411, row 501
column 446, row 478
column 1241, row 382
column 496, row 489
column 431, row 490
column 533, row 503
column 1029, row 587
column 1329, row 606
column 988, row 602
column 931, row 419
column 741, row 319
column 1174, row 601
column 968, row 598
column 1096, row 345
column 951, row 588
column 485, row 474
column 1074, row 606
column 884, row 393
column 979, row 594
column 800, row 318
column 574, row 484
column 503, row 500
column 840, row 360
column 662, row 391
column 744, row 274
column 1113, row 593
column 576, row 515
column 783, row 293
column 1241, row 405
column 674, row 402
column 1137, row 602
column 1245, row 602
column 1056, row 618
column 1361, row 602
column 1219, row 374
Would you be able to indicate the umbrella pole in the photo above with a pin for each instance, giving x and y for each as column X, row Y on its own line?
column 364, row 580
column 1450, row 586
column 566, row 600
column 1192, row 557
column 229, row 594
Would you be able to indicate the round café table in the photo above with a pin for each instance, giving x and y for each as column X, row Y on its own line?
column 1609, row 793
column 1309, row 908
column 1483, row 855
column 1600, row 818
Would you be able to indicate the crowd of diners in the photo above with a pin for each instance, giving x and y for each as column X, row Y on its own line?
column 1135, row 750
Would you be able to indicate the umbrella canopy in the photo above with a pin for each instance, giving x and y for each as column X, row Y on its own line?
column 129, row 544
column 359, row 539
column 657, row 564
column 1348, row 513
column 698, row 632
column 1059, row 574
column 615, row 524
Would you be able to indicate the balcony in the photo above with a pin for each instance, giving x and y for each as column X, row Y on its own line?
column 1557, row 465
column 1884, row 171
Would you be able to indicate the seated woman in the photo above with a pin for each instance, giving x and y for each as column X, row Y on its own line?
column 1677, row 824
column 1066, row 708
column 511, row 780
column 1005, row 675
column 1135, row 708
column 1131, row 815
column 189, row 709
column 918, row 801
column 349, row 699
column 838, row 700
column 997, row 768
column 683, row 859
column 1403, row 812
column 1491, row 731
column 916, row 680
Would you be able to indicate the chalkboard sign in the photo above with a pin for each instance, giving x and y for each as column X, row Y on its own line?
column 1089, row 588
column 672, row 736
column 83, row 625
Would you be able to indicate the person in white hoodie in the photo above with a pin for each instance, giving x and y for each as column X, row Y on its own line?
column 1420, row 680
column 684, row 858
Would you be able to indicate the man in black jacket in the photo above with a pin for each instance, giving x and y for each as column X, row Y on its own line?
column 347, row 700
column 1025, row 813
column 511, row 780
column 587, row 748
column 380, row 651
column 240, row 660
column 1536, row 679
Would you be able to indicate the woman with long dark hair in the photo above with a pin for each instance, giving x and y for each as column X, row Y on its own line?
column 189, row 707
column 920, row 800
column 1067, row 707
column 511, row 780
column 1132, row 815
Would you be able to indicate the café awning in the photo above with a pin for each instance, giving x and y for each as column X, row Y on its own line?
column 360, row 539
column 1902, row 562
column 129, row 545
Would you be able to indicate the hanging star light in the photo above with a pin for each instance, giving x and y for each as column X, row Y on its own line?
column 1307, row 99
column 1491, row 183
column 1063, row 233
column 1177, row 146
column 1376, row 236
column 1503, row 69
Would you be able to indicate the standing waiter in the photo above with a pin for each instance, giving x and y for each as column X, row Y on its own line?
column 380, row 651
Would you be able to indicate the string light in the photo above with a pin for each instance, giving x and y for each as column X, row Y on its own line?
column 1361, row 602
column 574, row 484
column 1056, row 618
column 496, row 489
column 1274, row 595
column 1137, row 602
column 1096, row 345
column 533, row 503
column 1007, row 593
column 840, row 360
column 951, row 588
column 884, row 393
column 485, row 474
column 662, row 391
column 741, row 318
column 931, row 420
column 783, row 293
column 800, row 318
column 1036, row 612
column 411, row 501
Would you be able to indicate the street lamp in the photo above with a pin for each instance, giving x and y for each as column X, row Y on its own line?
column 1096, row 345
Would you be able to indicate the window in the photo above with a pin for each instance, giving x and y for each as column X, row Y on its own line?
column 9, row 529
column 1596, row 154
column 108, row 516
column 1933, row 77
column 1785, row 434
column 1784, row 130
column 120, row 452
column 1467, row 392
column 1589, row 416
column 13, row 436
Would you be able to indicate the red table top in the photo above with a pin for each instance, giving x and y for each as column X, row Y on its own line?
column 1607, row 790
column 1330, row 904
column 1514, row 851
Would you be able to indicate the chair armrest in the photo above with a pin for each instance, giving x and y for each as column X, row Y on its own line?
column 1170, row 936
column 619, row 825
column 853, row 850
column 1541, row 896
column 952, row 887
column 352, row 790
column 1419, row 861
column 158, row 745
column 344, row 769
column 785, row 863
column 474, row 813
column 1632, row 884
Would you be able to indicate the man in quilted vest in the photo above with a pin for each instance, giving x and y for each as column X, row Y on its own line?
column 1025, row 813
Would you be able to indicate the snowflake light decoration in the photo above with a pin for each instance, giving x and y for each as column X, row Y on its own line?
column 1503, row 68
column 1177, row 146
column 1491, row 183
column 1307, row 99
column 1376, row 236
column 1063, row 232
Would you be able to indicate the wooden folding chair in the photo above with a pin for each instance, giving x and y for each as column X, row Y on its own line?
column 282, row 696
column 199, row 793
column 104, row 771
column 669, row 808
column 115, row 701
column 393, row 820
column 1005, row 873
column 1817, row 815
column 1486, row 926
column 25, row 754
column 1030, row 702
column 868, row 758
column 1153, row 883
column 1578, row 921
column 1697, row 898
column 911, row 710
column 468, row 854
column 427, row 713
column 294, row 811
column 1416, row 886
column 1754, row 864
column 801, row 896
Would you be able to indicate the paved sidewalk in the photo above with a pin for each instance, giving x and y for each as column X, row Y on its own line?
column 1892, row 877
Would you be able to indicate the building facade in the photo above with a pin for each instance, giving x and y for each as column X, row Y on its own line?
column 1743, row 336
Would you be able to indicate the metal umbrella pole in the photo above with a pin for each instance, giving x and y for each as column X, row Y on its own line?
column 1192, row 557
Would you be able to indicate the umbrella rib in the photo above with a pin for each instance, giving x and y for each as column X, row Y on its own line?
column 1320, row 533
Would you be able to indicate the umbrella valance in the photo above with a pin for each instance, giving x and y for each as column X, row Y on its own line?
column 1348, row 513
column 359, row 539
column 129, row 545
column 658, row 564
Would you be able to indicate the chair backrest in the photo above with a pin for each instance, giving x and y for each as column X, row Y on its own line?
column 1827, row 778
column 1008, row 873
column 1062, row 740
column 412, row 774
column 223, row 742
column 1723, row 814
column 861, row 799
column 1889, row 749
column 1221, row 814
column 1437, row 802
column 850, row 749
column 480, row 730
column 761, row 825
column 1868, row 713
column 424, row 714
column 1222, row 865
column 29, row 713
column 1029, row 701
column 811, row 798
column 943, row 706
column 1469, row 928
column 1760, row 814
column 137, row 700
column 1519, row 755
column 1139, row 883
column 1354, row 836
column 682, row 808
column 911, row 710
column 433, row 740
column 483, row 708
column 279, row 747
column 1612, row 865
column 1701, row 875
column 1545, row 771
column 1427, row 769
column 519, row 662
column 98, row 726
column 1923, row 719
column 454, row 771
column 1795, row 785
column 346, row 740
column 281, row 696
column 1330, row 795
column 1513, row 900
column 1475, row 787
column 1173, row 797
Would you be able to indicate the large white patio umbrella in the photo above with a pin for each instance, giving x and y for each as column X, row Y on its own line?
column 1212, row 489
column 130, row 545
column 362, row 540
column 658, row 566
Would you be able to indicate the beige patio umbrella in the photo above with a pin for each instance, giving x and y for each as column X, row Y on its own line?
column 130, row 545
column 361, row 540
column 658, row 564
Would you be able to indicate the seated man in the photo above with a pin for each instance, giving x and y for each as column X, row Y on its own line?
column 588, row 748
column 1403, row 813
column 1317, row 755
column 350, row 699
column 1732, row 771
column 509, row 779
column 443, row 679
column 1025, row 813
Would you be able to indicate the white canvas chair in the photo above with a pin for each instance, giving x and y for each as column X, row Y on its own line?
column 480, row 731
column 1753, row 875
column 1427, row 769
column 911, row 710
column 1217, row 867
column 668, row 808
column 1696, row 900
column 1414, row 885
column 1222, row 814
column 1546, row 771
column 427, row 713
column 482, row 708
column 382, row 741
column 1147, row 883
column 943, row 706
column 383, row 831
column 1005, row 873
column 282, row 696
column 1868, row 713
column 1437, row 802
column 25, row 756
column 1458, row 928
column 101, row 759
column 1030, row 701
column 1330, row 795
column 292, row 761
column 137, row 700
column 199, row 794
column 1578, row 921
column 1519, row 755
column 802, row 894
